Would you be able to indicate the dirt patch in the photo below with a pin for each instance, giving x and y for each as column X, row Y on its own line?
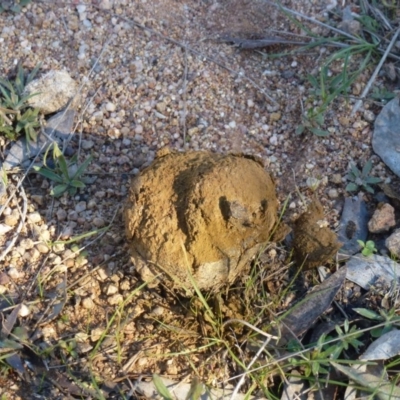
column 314, row 242
column 200, row 211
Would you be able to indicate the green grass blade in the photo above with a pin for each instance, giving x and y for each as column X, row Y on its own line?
column 48, row 174
column 77, row 184
column 32, row 75
column 58, row 190
column 161, row 388
column 82, row 167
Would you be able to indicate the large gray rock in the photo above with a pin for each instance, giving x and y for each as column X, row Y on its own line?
column 386, row 137
column 52, row 91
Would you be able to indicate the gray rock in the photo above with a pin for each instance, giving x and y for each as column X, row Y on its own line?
column 61, row 124
column 367, row 271
column 386, row 137
column 353, row 224
column 52, row 91
column 23, row 150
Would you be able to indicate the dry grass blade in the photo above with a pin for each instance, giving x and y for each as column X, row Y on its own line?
column 259, row 43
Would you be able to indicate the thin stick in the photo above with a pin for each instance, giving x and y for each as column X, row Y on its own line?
column 377, row 69
column 255, row 358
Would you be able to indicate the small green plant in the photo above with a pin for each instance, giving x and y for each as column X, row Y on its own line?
column 13, row 5
column 16, row 116
column 368, row 247
column 361, row 179
column 316, row 361
column 327, row 88
column 66, row 175
column 69, row 346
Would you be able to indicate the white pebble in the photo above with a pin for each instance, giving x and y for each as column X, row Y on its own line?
column 42, row 248
column 333, row 194
column 110, row 107
column 81, row 8
column 273, row 140
column 13, row 273
column 34, row 217
column 24, row 311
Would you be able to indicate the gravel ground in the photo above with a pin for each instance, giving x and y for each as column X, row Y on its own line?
column 160, row 78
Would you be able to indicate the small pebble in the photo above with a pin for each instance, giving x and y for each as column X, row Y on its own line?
column 111, row 289
column 275, row 116
column 61, row 214
column 13, row 273
column 58, row 248
column 158, row 311
column 110, row 107
column 96, row 334
column 24, row 311
column 81, row 206
column 81, row 8
column 87, row 303
column 273, row 140
column 160, row 107
column 336, row 178
column 369, row 116
column 115, row 299
column 3, row 289
column 34, row 217
column 11, row 220
column 38, row 199
column 333, row 194
column 126, row 142
column 101, row 274
column 98, row 222
column 4, row 229
column 139, row 129
column 42, row 248
column 4, row 278
column 87, row 144
column 26, row 244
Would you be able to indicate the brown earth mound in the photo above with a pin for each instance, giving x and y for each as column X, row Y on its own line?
column 200, row 212
column 314, row 243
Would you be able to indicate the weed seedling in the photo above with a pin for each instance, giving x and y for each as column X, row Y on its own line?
column 368, row 247
column 361, row 179
column 67, row 177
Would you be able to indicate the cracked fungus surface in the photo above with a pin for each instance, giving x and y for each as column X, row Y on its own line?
column 200, row 212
